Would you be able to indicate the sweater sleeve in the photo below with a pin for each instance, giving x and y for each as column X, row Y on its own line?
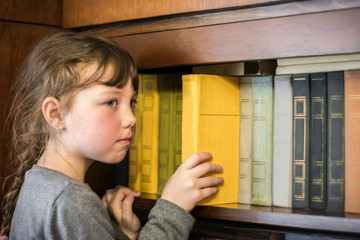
column 167, row 221
column 79, row 214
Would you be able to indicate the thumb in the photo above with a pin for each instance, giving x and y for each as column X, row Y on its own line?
column 127, row 207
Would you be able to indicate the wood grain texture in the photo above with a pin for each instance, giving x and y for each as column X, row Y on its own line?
column 47, row 12
column 15, row 43
column 274, row 217
column 173, row 22
column 313, row 34
column 17, row 39
column 93, row 12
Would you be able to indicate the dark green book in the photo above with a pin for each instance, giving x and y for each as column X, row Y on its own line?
column 300, row 178
column 318, row 138
column 170, row 109
column 335, row 142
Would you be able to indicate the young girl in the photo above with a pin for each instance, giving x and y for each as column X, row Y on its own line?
column 73, row 105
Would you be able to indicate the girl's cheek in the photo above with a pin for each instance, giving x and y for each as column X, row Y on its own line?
column 108, row 125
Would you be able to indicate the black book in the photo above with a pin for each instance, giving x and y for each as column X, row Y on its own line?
column 335, row 142
column 318, row 138
column 301, row 96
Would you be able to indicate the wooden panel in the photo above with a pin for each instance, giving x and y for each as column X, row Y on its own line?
column 48, row 12
column 15, row 42
column 174, row 22
column 322, row 33
column 92, row 12
column 275, row 217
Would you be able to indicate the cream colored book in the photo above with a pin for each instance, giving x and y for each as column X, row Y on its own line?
column 282, row 149
column 318, row 59
column 246, row 140
column 318, row 67
column 262, row 107
column 211, row 115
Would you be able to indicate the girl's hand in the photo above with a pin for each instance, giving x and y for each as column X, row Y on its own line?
column 119, row 203
column 191, row 183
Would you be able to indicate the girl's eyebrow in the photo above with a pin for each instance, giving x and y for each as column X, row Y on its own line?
column 108, row 90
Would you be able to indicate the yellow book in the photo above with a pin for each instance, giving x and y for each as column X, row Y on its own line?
column 134, row 152
column 149, row 132
column 211, row 115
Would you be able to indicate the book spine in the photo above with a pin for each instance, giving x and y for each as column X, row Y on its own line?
column 149, row 133
column 261, row 176
column 178, row 121
column 300, row 157
column 190, row 117
column 335, row 142
column 212, row 103
column 219, row 132
column 245, row 140
column 352, row 139
column 134, row 150
column 282, row 153
column 318, row 67
column 318, row 138
column 166, row 133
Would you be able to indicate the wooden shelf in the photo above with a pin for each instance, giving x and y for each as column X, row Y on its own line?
column 272, row 216
column 253, row 32
column 310, row 34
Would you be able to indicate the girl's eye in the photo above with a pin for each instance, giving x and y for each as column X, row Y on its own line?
column 111, row 103
column 133, row 103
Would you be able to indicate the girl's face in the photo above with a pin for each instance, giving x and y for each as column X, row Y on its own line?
column 101, row 123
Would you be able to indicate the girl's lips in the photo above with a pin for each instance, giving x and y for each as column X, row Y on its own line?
column 125, row 141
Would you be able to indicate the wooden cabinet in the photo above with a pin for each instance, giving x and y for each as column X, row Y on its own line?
column 231, row 220
column 22, row 24
column 281, row 33
column 160, row 34
column 42, row 12
column 269, row 31
column 93, row 12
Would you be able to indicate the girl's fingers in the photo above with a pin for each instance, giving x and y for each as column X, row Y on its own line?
column 127, row 207
column 106, row 199
column 113, row 198
column 207, row 192
column 206, row 168
column 195, row 160
column 207, row 182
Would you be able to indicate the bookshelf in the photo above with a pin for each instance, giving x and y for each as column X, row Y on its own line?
column 275, row 218
column 270, row 30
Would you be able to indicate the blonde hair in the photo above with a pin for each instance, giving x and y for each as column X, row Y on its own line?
column 51, row 70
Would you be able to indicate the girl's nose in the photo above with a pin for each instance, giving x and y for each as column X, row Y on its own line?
column 129, row 119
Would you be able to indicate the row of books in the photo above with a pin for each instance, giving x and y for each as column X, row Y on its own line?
column 268, row 133
column 324, row 130
column 156, row 149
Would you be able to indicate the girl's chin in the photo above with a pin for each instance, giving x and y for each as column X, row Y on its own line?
column 118, row 159
column 115, row 158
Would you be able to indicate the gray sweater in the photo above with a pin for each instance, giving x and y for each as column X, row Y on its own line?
column 54, row 206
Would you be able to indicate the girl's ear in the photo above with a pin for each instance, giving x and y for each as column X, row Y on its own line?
column 52, row 111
